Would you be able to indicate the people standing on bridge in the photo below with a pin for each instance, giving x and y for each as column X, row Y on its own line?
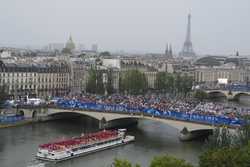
column 163, row 104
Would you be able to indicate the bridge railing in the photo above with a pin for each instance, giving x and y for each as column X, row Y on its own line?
column 170, row 114
column 231, row 87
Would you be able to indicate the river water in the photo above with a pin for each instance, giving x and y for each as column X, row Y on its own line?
column 18, row 145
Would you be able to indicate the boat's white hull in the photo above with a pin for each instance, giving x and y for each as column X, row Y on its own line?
column 79, row 153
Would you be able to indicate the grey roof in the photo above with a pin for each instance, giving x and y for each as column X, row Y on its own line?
column 34, row 67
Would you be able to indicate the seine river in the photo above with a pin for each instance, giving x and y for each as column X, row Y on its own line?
column 18, row 145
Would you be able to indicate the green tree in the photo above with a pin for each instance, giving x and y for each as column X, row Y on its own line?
column 164, row 82
column 177, row 83
column 133, row 82
column 225, row 157
column 121, row 85
column 123, row 163
column 3, row 94
column 95, row 82
column 201, row 95
column 168, row 161
column 92, row 81
column 243, row 133
column 221, row 138
column 161, row 81
column 186, row 84
column 99, row 83
column 226, row 150
column 110, row 87
column 170, row 83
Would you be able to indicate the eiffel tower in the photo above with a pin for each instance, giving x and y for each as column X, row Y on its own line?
column 187, row 50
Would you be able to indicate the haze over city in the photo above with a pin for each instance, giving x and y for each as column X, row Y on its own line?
column 218, row 27
column 132, row 83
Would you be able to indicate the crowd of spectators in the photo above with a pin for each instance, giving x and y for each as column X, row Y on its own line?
column 164, row 103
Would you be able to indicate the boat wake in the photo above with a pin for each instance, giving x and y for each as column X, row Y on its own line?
column 39, row 163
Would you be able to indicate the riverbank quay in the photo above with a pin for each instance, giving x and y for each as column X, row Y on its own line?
column 26, row 122
column 15, row 124
column 12, row 117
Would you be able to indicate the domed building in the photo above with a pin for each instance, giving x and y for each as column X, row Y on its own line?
column 70, row 46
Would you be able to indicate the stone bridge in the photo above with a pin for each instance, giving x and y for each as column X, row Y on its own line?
column 192, row 129
column 108, row 116
column 32, row 112
column 230, row 95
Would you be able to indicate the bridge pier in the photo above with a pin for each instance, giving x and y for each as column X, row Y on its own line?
column 34, row 113
column 186, row 135
column 102, row 123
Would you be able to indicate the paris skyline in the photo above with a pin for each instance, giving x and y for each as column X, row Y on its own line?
column 134, row 26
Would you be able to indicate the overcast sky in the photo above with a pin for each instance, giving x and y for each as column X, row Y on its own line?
column 218, row 26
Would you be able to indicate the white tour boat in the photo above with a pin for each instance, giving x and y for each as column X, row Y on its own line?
column 85, row 144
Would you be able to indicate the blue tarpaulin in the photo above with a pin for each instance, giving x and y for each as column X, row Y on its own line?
column 11, row 119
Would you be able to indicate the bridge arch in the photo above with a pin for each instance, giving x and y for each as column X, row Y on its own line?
column 125, row 118
column 192, row 133
column 178, row 124
column 237, row 95
column 193, row 130
column 76, row 113
column 122, row 122
column 217, row 93
column 105, row 120
column 20, row 112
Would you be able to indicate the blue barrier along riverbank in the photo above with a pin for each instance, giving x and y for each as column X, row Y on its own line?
column 7, row 121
